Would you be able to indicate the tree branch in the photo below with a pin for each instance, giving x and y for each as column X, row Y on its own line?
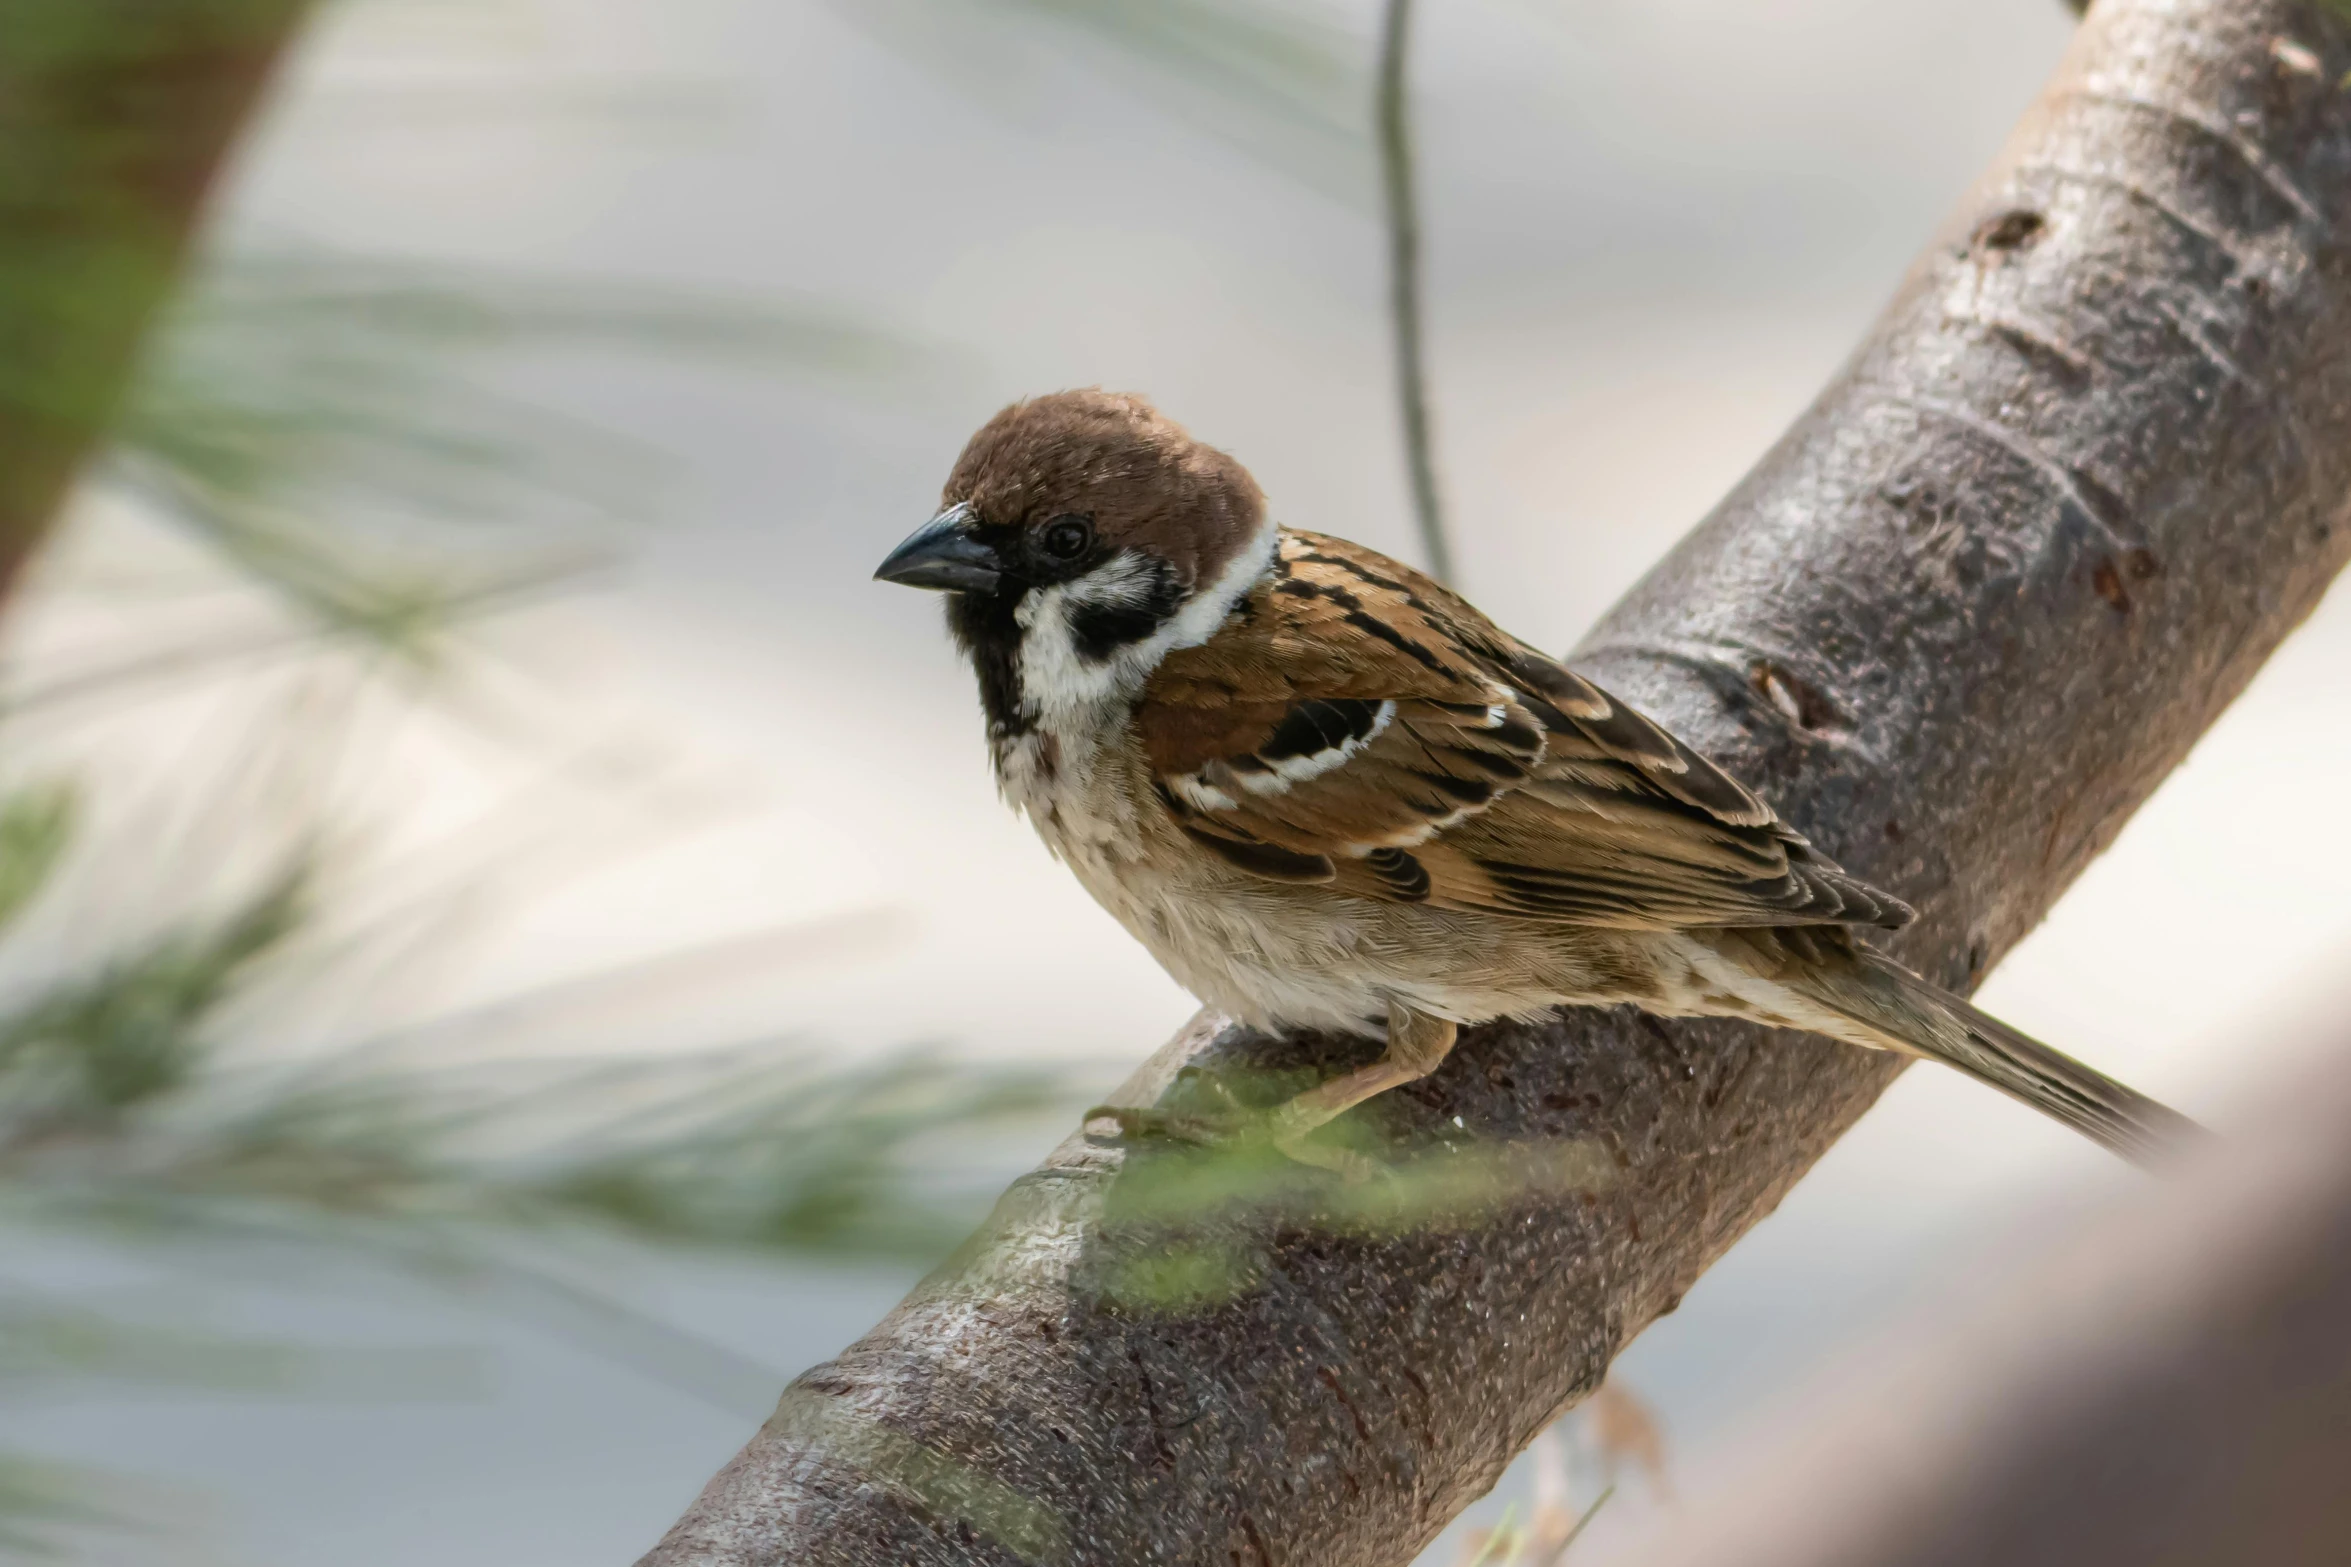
column 115, row 117
column 2085, row 473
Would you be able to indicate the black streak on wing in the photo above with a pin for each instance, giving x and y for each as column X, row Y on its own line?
column 1264, row 859
column 1518, row 737
column 1469, row 791
column 1253, row 855
column 1374, row 626
column 1404, row 877
column 1318, row 725
column 1508, row 769
column 1364, row 574
column 1668, row 764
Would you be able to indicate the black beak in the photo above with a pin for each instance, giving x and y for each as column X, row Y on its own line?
column 945, row 554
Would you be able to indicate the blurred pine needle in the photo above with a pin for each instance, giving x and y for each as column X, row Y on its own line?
column 350, row 434
column 128, row 1113
column 121, row 1103
column 46, row 1506
column 345, row 429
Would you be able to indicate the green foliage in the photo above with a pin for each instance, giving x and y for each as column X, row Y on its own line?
column 1185, row 1227
column 772, row 1149
column 34, row 826
column 127, row 1110
column 1198, row 1198
column 341, row 433
column 89, row 1052
column 118, row 1099
column 795, row 1152
column 45, row 1507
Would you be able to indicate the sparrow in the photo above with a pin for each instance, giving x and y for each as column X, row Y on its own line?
column 1327, row 793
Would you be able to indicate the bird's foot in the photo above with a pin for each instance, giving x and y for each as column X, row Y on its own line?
column 1149, row 1123
column 1289, row 1135
column 1198, row 1109
column 1202, row 1111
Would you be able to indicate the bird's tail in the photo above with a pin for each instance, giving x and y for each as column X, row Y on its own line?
column 1913, row 1014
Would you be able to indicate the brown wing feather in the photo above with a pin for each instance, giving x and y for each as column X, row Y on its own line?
column 1362, row 726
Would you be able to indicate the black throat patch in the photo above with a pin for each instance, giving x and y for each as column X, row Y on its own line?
column 987, row 628
column 982, row 625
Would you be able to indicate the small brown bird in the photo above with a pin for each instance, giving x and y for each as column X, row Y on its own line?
column 1328, row 793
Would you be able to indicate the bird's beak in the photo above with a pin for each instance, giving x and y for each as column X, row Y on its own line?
column 945, row 554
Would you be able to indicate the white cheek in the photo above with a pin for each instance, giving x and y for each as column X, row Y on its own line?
column 1055, row 677
column 1063, row 688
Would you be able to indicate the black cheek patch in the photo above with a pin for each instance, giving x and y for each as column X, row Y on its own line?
column 1100, row 630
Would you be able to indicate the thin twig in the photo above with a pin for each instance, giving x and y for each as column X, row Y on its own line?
column 1492, row 1542
column 1404, row 285
column 1558, row 1553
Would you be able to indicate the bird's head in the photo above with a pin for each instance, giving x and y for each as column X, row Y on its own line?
column 1080, row 538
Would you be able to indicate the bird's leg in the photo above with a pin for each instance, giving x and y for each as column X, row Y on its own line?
column 1417, row 1044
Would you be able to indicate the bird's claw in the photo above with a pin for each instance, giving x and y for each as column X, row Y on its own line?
column 1288, row 1134
column 1145, row 1123
column 1203, row 1112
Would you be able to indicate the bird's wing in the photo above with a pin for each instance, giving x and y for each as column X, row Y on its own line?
column 1357, row 724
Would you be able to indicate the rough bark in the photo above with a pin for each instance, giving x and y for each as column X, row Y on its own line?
column 115, row 117
column 2082, row 477
column 2171, row 1389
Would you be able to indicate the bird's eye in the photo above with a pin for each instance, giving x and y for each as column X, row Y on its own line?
column 1066, row 538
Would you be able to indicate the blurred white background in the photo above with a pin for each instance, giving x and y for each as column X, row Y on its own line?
column 1654, row 230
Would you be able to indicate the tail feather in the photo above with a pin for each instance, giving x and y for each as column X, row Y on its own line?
column 1916, row 1015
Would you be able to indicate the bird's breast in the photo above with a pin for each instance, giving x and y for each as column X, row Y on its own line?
column 1077, row 786
column 1278, row 954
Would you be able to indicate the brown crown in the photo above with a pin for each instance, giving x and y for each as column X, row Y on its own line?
column 1110, row 456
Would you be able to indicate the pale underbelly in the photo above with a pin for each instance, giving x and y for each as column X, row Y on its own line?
column 1283, row 956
